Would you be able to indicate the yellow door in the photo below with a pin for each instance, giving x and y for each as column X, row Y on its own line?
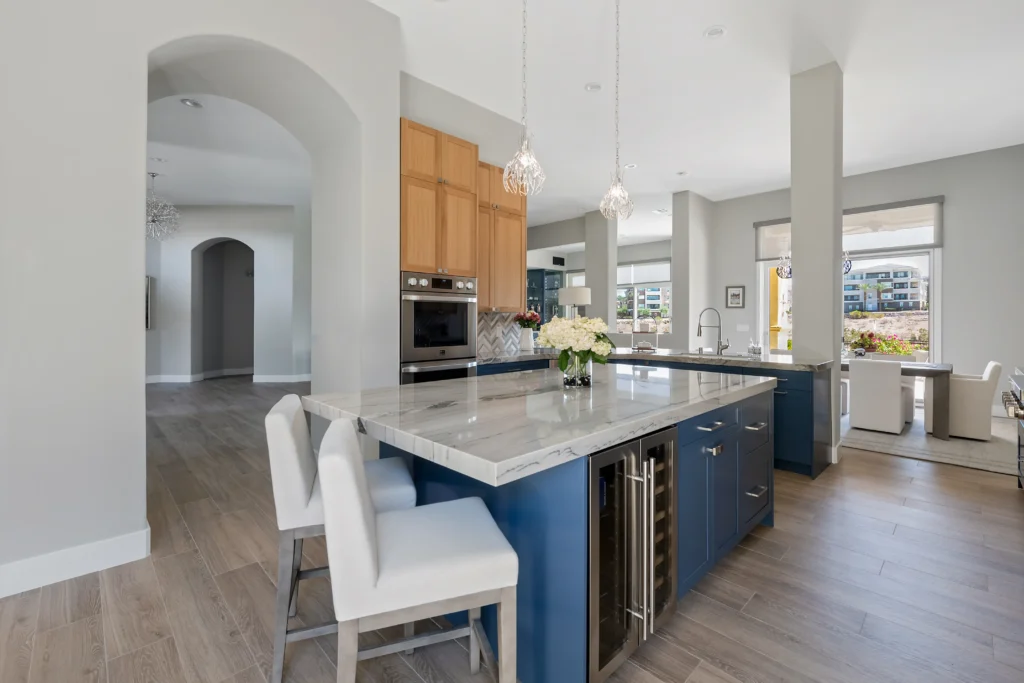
column 421, row 152
column 458, row 163
column 457, row 246
column 484, row 256
column 508, row 276
column 419, row 225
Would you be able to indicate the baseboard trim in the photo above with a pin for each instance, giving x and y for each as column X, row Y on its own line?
column 209, row 374
column 61, row 565
column 281, row 379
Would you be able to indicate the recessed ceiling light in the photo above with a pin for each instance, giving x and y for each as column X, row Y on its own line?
column 714, row 32
column 158, row 160
column 682, row 173
column 592, row 87
column 630, row 166
column 662, row 212
column 189, row 102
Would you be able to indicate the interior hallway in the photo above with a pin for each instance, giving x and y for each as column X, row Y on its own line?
column 883, row 569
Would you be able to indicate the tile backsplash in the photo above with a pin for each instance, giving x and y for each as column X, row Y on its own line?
column 497, row 334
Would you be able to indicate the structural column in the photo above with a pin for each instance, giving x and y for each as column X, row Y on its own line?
column 691, row 270
column 816, row 140
column 602, row 265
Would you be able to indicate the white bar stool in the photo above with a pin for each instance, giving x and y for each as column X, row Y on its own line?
column 300, row 511
column 398, row 567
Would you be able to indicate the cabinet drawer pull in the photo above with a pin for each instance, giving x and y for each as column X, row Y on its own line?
column 713, row 427
column 761, row 490
column 756, row 427
column 782, row 379
column 715, row 450
column 779, row 393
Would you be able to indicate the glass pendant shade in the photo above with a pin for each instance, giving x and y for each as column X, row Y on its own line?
column 847, row 263
column 785, row 268
column 161, row 216
column 616, row 203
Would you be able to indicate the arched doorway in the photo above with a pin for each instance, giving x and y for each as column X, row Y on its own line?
column 222, row 284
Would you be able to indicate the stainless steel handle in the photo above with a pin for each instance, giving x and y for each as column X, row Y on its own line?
column 440, row 298
column 637, row 507
column 761, row 490
column 780, row 393
column 437, row 366
column 713, row 427
column 782, row 379
column 644, row 533
column 715, row 450
column 756, row 427
column 650, row 546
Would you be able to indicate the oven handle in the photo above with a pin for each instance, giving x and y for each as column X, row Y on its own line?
column 440, row 298
column 436, row 366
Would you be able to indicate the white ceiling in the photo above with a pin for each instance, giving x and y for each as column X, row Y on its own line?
column 924, row 79
column 225, row 153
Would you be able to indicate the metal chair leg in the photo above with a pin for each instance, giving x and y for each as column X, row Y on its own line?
column 409, row 630
column 285, row 577
column 296, row 565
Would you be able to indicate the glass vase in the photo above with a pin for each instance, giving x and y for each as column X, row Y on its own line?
column 577, row 373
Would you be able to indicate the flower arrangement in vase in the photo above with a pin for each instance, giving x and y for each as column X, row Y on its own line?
column 580, row 340
column 865, row 341
column 528, row 322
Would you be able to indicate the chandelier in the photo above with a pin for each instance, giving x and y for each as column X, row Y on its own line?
column 616, row 202
column 523, row 175
column 785, row 268
column 161, row 216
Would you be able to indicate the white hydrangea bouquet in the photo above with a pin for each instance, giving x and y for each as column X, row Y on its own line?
column 580, row 340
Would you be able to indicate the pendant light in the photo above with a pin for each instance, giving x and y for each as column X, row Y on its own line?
column 616, row 203
column 523, row 175
column 785, row 268
column 161, row 216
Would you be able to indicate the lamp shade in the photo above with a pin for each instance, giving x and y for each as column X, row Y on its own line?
column 574, row 296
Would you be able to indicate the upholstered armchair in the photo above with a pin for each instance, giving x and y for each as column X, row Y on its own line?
column 970, row 403
column 878, row 398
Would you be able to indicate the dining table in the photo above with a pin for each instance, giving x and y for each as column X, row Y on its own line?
column 939, row 373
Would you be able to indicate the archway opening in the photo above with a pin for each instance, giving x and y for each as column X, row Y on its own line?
column 223, row 306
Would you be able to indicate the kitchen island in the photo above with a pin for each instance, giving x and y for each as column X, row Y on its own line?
column 645, row 478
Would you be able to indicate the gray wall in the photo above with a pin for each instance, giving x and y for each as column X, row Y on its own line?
column 238, row 314
column 213, row 308
column 984, row 240
column 630, row 253
column 560, row 233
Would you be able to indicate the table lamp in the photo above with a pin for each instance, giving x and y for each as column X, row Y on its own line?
column 572, row 297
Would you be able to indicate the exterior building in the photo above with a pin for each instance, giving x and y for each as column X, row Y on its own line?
column 654, row 299
column 889, row 287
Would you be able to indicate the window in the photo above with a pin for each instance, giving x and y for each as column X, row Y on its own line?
column 644, row 297
column 901, row 273
column 852, row 297
column 914, row 284
column 875, row 276
column 900, row 297
column 900, row 285
column 850, row 288
column 576, row 278
column 886, row 295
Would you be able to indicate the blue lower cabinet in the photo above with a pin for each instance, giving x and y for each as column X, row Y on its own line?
column 695, row 478
column 518, row 366
column 725, row 464
column 794, row 430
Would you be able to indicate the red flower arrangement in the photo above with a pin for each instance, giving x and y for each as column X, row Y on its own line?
column 529, row 320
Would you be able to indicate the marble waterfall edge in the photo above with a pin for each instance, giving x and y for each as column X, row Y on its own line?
column 501, row 428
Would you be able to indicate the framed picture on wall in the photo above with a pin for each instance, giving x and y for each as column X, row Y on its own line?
column 735, row 296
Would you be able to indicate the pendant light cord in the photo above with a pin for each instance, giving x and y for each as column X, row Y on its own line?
column 618, row 174
column 524, row 65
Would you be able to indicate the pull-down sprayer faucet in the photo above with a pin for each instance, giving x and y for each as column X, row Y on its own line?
column 719, row 346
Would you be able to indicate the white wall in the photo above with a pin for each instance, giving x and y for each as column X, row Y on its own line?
column 629, row 253
column 302, row 290
column 80, row 341
column 983, row 241
column 542, row 258
column 268, row 231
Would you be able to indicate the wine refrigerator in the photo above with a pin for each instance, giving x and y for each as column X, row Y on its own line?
column 632, row 548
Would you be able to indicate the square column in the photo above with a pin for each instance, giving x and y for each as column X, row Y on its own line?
column 816, row 143
column 602, row 254
column 691, row 270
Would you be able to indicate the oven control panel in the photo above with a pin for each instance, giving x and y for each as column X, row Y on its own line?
column 439, row 283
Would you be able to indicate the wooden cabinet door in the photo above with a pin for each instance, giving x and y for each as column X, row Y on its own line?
column 421, row 152
column 502, row 200
column 484, row 255
column 508, row 268
column 457, row 245
column 420, row 228
column 483, row 184
column 459, row 160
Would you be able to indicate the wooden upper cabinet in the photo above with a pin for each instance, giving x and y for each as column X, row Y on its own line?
column 502, row 200
column 508, row 268
column 483, row 184
column 459, row 160
column 420, row 229
column 484, row 255
column 421, row 151
column 457, row 250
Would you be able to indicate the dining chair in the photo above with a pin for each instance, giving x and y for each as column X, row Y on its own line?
column 300, row 512
column 878, row 398
column 401, row 566
column 970, row 403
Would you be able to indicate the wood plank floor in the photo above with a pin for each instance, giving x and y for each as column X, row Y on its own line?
column 882, row 570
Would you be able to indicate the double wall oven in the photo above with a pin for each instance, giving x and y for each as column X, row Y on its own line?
column 1013, row 401
column 633, row 526
column 438, row 327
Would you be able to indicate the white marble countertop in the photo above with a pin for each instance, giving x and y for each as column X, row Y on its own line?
column 504, row 427
column 773, row 361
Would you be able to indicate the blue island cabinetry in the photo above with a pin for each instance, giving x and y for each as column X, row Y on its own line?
column 802, row 421
column 724, row 488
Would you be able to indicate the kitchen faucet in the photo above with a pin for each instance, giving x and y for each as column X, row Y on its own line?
column 700, row 330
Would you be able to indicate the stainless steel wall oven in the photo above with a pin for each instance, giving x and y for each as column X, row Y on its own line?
column 438, row 317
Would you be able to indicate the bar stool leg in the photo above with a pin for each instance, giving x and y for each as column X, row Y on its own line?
column 409, row 630
column 296, row 566
column 285, row 576
column 474, row 641
column 348, row 650
column 507, row 636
